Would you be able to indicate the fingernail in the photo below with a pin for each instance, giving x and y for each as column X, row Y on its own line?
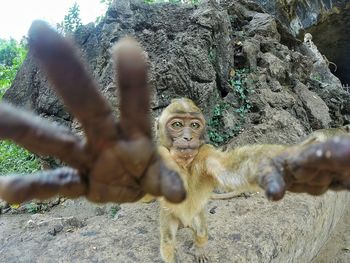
column 274, row 191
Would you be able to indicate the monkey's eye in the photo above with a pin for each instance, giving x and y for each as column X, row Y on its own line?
column 177, row 125
column 195, row 125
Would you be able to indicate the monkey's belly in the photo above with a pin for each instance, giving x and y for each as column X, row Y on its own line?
column 187, row 210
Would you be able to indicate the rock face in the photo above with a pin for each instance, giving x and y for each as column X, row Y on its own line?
column 302, row 14
column 197, row 52
column 328, row 21
column 241, row 66
column 332, row 37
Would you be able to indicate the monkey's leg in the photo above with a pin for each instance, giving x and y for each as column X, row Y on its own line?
column 168, row 228
column 42, row 185
column 73, row 83
column 199, row 226
column 40, row 136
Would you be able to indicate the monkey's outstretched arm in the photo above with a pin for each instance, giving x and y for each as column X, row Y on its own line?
column 118, row 161
column 236, row 169
column 311, row 169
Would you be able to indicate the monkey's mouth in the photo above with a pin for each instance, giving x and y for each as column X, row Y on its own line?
column 183, row 145
column 186, row 146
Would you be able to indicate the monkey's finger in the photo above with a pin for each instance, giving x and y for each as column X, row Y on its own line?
column 271, row 180
column 73, row 83
column 130, row 64
column 161, row 181
column 40, row 136
column 150, row 182
column 171, row 185
column 332, row 155
column 42, row 185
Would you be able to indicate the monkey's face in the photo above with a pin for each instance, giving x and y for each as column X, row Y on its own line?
column 186, row 132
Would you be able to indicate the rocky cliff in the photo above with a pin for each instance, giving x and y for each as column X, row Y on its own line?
column 302, row 14
column 235, row 60
column 329, row 23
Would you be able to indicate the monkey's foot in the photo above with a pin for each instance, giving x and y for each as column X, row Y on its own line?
column 201, row 255
column 171, row 257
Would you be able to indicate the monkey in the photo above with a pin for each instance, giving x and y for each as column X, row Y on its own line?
column 119, row 163
column 203, row 168
column 308, row 38
column 181, row 139
column 308, row 41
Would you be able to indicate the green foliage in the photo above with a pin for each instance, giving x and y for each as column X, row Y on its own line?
column 212, row 55
column 14, row 159
column 33, row 208
column 71, row 21
column 216, row 124
column 317, row 77
column 12, row 55
column 239, row 84
column 114, row 210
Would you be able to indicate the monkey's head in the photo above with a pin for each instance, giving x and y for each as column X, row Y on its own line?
column 181, row 126
column 307, row 37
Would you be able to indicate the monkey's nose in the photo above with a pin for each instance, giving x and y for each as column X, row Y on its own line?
column 188, row 138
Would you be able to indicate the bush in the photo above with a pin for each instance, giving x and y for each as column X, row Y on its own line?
column 14, row 159
column 12, row 54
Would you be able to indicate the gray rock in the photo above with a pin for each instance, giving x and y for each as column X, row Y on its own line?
column 264, row 25
column 316, row 108
column 277, row 68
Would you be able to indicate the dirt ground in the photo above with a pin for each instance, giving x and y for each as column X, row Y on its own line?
column 337, row 249
column 78, row 231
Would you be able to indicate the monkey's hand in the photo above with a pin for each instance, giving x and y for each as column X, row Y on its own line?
column 311, row 169
column 117, row 161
